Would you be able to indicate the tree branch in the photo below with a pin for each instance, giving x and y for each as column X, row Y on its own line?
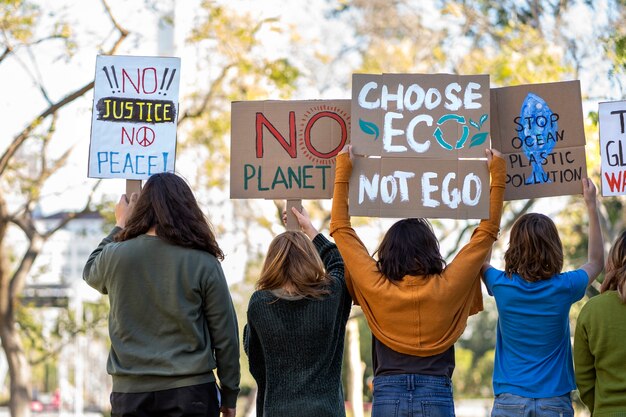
column 19, row 139
column 192, row 114
column 6, row 53
column 74, row 215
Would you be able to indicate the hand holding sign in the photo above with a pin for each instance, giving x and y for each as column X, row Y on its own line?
column 124, row 208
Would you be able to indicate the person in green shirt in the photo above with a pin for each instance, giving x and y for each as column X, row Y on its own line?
column 172, row 320
column 599, row 342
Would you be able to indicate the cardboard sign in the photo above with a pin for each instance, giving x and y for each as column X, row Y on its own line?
column 286, row 149
column 418, row 127
column 539, row 129
column 612, row 122
column 437, row 116
column 412, row 187
column 135, row 108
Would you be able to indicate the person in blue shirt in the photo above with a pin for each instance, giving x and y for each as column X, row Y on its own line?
column 533, row 373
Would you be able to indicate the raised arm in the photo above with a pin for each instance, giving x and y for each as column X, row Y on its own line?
column 359, row 264
column 94, row 272
column 595, row 246
column 466, row 266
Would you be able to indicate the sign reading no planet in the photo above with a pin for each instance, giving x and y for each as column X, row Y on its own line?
column 286, row 149
column 539, row 129
column 417, row 139
column 613, row 147
column 133, row 128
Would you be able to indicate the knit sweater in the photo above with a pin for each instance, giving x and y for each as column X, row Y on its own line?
column 171, row 320
column 420, row 315
column 295, row 346
column 600, row 355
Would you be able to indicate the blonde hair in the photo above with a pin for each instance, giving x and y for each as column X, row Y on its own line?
column 535, row 251
column 292, row 263
column 615, row 276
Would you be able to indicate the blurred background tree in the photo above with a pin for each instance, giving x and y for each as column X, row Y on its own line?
column 285, row 51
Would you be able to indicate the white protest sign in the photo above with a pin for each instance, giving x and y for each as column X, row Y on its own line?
column 612, row 142
column 133, row 127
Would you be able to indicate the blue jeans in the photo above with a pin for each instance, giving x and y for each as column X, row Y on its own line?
column 509, row 405
column 412, row 395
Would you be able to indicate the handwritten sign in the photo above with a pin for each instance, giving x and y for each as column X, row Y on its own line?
column 133, row 128
column 417, row 139
column 612, row 120
column 286, row 149
column 539, row 129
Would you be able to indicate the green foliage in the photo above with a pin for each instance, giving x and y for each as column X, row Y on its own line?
column 17, row 20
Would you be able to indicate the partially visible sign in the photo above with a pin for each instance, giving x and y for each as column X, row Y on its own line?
column 417, row 139
column 286, row 149
column 539, row 129
column 133, row 128
column 612, row 147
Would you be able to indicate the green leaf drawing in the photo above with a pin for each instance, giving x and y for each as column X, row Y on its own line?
column 483, row 119
column 473, row 123
column 478, row 139
column 369, row 128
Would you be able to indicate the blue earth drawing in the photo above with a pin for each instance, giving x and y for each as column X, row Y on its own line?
column 535, row 108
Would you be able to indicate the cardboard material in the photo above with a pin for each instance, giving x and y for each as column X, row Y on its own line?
column 417, row 187
column 292, row 220
column 539, row 129
column 440, row 116
column 133, row 127
column 613, row 147
column 409, row 133
column 286, row 149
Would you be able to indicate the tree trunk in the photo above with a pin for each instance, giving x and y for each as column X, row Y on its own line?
column 19, row 370
column 355, row 365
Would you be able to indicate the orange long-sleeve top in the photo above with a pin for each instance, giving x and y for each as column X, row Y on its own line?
column 420, row 315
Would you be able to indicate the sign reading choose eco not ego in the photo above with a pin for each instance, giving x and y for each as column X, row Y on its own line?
column 133, row 128
column 418, row 140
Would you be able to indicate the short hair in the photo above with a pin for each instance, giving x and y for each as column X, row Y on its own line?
column 615, row 275
column 292, row 261
column 167, row 203
column 535, row 251
column 409, row 247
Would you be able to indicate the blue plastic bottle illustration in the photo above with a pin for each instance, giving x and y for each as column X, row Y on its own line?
column 538, row 126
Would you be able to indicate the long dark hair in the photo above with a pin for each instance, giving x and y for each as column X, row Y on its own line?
column 535, row 251
column 615, row 276
column 167, row 203
column 409, row 247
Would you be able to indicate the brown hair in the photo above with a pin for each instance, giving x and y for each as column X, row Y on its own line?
column 292, row 263
column 535, row 251
column 615, row 276
column 167, row 203
column 409, row 248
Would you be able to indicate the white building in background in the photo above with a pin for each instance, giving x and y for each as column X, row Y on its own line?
column 56, row 283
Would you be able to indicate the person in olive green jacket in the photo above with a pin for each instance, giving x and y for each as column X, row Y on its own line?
column 172, row 320
column 599, row 342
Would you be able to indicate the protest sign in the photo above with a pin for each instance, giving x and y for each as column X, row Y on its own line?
column 133, row 128
column 416, row 138
column 286, row 149
column 612, row 144
column 539, row 129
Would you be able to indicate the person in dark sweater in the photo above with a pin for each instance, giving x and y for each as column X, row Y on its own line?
column 172, row 321
column 296, row 326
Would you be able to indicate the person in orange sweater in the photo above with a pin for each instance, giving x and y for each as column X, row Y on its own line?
column 416, row 305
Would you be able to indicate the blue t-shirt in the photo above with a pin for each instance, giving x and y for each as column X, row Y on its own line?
column 533, row 348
